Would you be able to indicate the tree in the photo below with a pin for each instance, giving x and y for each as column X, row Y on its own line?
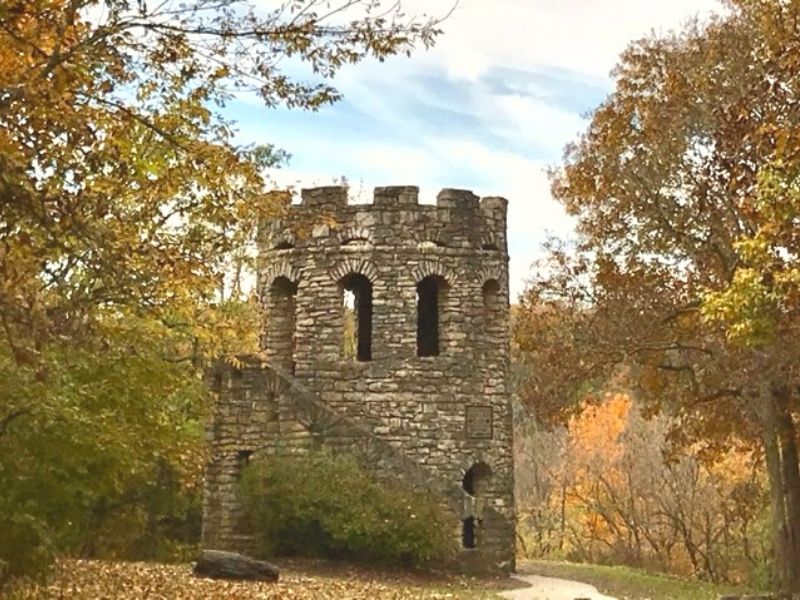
column 124, row 205
column 683, row 282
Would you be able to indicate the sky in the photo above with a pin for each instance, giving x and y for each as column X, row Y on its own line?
column 489, row 108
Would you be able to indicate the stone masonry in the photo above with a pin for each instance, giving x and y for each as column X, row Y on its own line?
column 386, row 335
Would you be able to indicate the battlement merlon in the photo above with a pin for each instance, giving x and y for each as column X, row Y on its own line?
column 333, row 197
column 330, row 203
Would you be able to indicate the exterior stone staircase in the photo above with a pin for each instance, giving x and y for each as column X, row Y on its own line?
column 331, row 428
column 326, row 423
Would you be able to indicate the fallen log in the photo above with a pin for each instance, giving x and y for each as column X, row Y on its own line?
column 217, row 564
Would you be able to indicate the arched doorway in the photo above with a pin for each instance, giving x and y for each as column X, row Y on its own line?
column 475, row 485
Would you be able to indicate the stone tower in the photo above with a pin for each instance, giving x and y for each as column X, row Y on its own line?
column 385, row 334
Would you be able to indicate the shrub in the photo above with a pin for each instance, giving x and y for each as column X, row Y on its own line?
column 330, row 506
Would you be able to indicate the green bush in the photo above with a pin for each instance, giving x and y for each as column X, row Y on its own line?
column 330, row 506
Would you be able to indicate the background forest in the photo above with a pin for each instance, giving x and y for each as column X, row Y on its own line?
column 607, row 488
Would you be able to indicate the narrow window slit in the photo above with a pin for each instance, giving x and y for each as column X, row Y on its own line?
column 468, row 532
column 281, row 323
column 430, row 299
column 491, row 295
column 474, row 483
column 492, row 309
column 242, row 460
column 357, row 317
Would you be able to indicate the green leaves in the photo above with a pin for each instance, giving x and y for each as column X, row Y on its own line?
column 328, row 505
column 761, row 301
column 99, row 432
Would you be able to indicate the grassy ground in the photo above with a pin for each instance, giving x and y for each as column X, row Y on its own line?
column 626, row 583
column 300, row 580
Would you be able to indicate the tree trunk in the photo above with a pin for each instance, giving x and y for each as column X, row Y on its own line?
column 790, row 470
column 229, row 565
column 780, row 448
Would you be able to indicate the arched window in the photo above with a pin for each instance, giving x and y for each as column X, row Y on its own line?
column 357, row 317
column 242, row 459
column 431, row 296
column 476, row 479
column 491, row 296
column 281, row 323
column 492, row 308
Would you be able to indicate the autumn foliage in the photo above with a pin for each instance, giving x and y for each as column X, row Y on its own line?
column 608, row 488
column 301, row 580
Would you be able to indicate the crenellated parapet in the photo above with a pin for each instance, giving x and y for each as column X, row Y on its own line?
column 459, row 219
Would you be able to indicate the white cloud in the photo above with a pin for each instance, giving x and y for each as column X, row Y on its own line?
column 582, row 35
column 532, row 213
column 532, row 121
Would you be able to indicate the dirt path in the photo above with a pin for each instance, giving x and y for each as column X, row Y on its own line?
column 550, row 588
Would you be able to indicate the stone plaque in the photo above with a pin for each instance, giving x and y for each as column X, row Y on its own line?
column 478, row 422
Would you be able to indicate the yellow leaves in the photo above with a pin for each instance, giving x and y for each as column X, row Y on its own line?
column 124, row 201
column 781, row 142
column 755, row 303
column 605, row 489
column 235, row 362
column 118, row 158
column 221, row 73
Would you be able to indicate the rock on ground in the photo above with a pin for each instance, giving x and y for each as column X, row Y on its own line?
column 229, row 565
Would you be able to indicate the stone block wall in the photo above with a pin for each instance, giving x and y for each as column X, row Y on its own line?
column 432, row 391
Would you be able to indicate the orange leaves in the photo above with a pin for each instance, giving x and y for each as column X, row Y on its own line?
column 124, row 204
column 596, row 431
column 685, row 189
column 115, row 156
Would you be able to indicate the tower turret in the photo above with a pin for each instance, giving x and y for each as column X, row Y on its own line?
column 394, row 315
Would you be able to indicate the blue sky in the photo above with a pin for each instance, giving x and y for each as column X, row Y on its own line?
column 489, row 108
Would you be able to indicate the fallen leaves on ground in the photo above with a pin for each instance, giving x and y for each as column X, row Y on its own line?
column 299, row 580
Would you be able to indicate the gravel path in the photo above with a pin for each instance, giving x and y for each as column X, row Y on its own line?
column 550, row 588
